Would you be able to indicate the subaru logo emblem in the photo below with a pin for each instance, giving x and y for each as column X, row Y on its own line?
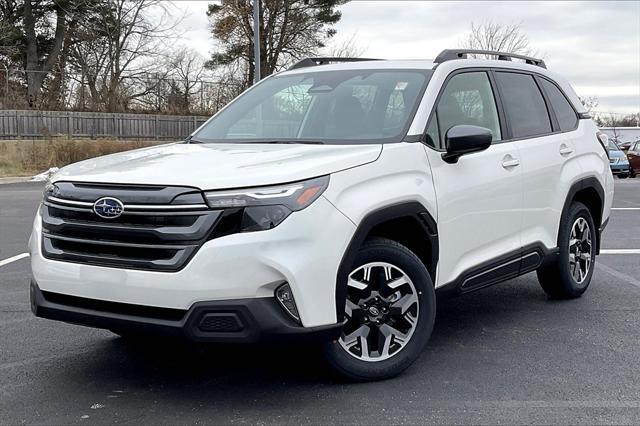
column 108, row 207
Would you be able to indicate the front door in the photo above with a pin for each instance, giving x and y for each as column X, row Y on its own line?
column 479, row 197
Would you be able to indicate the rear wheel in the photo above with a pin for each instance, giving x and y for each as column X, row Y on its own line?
column 569, row 275
column 389, row 313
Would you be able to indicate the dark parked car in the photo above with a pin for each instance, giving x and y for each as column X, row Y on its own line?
column 625, row 145
column 618, row 161
column 633, row 155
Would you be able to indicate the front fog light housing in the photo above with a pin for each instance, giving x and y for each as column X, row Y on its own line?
column 285, row 298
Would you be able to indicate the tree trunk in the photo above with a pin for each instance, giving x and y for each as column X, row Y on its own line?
column 35, row 69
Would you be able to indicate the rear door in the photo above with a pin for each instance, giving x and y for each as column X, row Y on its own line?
column 634, row 157
column 542, row 124
column 479, row 197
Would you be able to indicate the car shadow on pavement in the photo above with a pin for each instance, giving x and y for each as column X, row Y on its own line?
column 182, row 366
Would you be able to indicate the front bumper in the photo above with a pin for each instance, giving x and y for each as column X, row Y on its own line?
column 229, row 321
column 303, row 251
column 617, row 169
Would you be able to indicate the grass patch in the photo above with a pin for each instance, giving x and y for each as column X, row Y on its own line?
column 30, row 157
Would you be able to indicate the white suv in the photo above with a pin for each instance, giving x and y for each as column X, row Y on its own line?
column 333, row 201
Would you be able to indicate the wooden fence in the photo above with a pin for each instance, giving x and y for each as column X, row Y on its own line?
column 17, row 124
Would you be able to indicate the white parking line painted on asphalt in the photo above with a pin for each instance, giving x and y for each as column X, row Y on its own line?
column 620, row 251
column 625, row 208
column 620, row 275
column 13, row 259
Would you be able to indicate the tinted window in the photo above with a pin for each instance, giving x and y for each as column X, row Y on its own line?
column 468, row 99
column 350, row 106
column 524, row 104
column 564, row 112
column 433, row 134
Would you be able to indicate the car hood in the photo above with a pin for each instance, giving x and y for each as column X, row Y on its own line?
column 218, row 166
column 617, row 154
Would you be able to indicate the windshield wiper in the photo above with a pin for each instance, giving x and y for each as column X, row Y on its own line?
column 190, row 139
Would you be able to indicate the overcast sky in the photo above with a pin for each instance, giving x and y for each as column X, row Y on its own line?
column 595, row 45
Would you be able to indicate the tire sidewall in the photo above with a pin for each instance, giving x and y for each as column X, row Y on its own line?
column 402, row 258
column 576, row 211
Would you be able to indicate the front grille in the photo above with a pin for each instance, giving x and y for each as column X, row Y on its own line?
column 160, row 228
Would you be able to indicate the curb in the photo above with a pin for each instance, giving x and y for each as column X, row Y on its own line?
column 5, row 180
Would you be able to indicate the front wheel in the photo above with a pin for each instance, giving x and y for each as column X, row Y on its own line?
column 569, row 274
column 389, row 313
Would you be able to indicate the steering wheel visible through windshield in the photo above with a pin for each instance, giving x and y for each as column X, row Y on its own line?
column 346, row 106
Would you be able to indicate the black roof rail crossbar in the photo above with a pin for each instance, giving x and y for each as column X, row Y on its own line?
column 312, row 62
column 451, row 54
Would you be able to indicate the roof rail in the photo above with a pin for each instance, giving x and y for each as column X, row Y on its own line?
column 312, row 62
column 451, row 54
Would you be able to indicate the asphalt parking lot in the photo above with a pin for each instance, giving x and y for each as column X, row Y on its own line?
column 502, row 355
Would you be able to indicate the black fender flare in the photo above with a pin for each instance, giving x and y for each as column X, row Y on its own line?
column 590, row 182
column 405, row 209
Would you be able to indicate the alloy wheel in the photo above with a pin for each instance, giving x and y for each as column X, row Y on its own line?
column 381, row 312
column 580, row 250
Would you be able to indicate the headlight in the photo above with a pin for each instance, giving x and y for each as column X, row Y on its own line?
column 266, row 207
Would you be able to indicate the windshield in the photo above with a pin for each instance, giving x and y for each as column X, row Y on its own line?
column 347, row 106
column 613, row 146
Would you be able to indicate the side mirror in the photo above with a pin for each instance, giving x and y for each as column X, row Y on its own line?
column 464, row 139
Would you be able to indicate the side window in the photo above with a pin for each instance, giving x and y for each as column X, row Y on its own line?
column 433, row 133
column 525, row 108
column 468, row 99
column 565, row 114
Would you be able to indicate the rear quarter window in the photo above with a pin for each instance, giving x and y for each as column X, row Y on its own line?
column 567, row 118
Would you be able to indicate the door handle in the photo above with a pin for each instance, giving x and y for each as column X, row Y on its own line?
column 565, row 150
column 508, row 161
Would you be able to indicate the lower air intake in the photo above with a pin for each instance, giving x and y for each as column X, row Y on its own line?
column 220, row 323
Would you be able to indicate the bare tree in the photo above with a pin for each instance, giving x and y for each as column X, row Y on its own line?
column 289, row 30
column 121, row 49
column 590, row 103
column 615, row 120
column 497, row 37
column 346, row 48
column 186, row 72
column 34, row 36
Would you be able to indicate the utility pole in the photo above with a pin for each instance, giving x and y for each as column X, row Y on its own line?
column 256, row 40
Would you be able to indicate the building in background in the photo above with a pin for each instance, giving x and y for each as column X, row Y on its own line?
column 622, row 134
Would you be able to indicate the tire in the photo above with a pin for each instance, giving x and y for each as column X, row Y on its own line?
column 632, row 173
column 560, row 279
column 396, row 303
column 623, row 175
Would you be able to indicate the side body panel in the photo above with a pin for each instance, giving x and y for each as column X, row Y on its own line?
column 594, row 163
column 547, row 176
column 479, row 208
column 401, row 174
column 634, row 156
